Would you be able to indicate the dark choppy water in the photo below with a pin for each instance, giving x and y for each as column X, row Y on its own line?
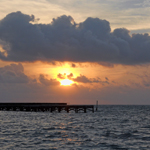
column 113, row 127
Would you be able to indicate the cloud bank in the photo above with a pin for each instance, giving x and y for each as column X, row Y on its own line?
column 48, row 82
column 16, row 86
column 83, row 79
column 24, row 40
column 14, row 74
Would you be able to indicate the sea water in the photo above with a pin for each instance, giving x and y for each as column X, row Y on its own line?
column 112, row 127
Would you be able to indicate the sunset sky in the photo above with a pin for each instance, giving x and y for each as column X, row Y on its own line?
column 75, row 51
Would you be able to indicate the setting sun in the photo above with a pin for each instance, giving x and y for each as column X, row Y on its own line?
column 66, row 82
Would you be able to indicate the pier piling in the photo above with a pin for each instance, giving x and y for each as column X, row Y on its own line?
column 96, row 105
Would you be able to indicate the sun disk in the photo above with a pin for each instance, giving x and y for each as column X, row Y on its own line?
column 66, row 82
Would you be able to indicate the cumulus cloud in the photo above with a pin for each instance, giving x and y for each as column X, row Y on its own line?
column 73, row 65
column 64, row 76
column 70, row 75
column 61, row 76
column 84, row 79
column 13, row 73
column 48, row 82
column 106, row 79
column 22, row 39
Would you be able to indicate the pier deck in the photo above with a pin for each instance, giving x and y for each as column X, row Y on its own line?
column 50, row 107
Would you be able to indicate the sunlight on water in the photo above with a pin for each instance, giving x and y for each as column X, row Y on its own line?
column 112, row 127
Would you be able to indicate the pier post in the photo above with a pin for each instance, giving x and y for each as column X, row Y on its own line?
column 76, row 110
column 84, row 110
column 93, row 109
column 8, row 108
column 59, row 109
column 21, row 108
column 67, row 110
column 14, row 108
column 96, row 105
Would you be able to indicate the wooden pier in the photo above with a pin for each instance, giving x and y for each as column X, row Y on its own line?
column 42, row 107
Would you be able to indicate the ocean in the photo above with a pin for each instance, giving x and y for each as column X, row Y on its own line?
column 112, row 127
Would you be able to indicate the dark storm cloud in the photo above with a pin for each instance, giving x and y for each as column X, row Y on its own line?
column 48, row 82
column 22, row 39
column 13, row 74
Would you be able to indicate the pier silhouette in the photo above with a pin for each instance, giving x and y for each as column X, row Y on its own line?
column 42, row 107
